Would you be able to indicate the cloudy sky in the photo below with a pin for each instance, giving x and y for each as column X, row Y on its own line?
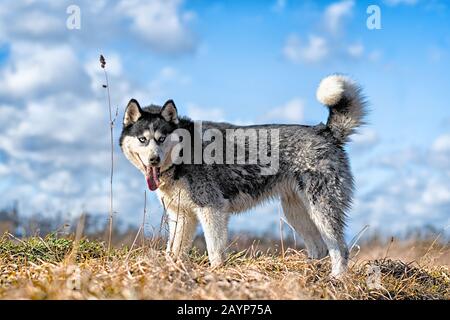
column 243, row 62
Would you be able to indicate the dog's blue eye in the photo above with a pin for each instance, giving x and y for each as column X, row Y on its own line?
column 142, row 139
column 161, row 139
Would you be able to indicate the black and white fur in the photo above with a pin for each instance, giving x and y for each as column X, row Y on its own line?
column 314, row 181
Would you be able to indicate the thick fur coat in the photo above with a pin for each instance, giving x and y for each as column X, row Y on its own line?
column 311, row 177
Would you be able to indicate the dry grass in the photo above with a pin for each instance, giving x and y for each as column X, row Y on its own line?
column 50, row 269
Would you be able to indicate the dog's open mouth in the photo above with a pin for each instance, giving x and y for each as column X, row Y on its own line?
column 152, row 177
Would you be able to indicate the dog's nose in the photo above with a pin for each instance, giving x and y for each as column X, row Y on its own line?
column 154, row 160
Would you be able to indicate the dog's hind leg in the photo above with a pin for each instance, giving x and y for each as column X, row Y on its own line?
column 182, row 227
column 329, row 220
column 298, row 217
column 215, row 228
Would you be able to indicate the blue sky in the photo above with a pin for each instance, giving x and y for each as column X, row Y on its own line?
column 243, row 62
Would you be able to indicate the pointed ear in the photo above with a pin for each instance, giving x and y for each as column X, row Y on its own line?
column 132, row 113
column 169, row 112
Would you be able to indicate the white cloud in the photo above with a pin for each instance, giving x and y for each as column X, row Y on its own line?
column 415, row 193
column 365, row 138
column 356, row 50
column 8, row 114
column 37, row 70
column 55, row 133
column 436, row 193
column 324, row 44
column 314, row 50
column 291, row 111
column 335, row 14
column 168, row 74
column 164, row 78
column 49, row 127
column 406, row 200
column 38, row 23
column 4, row 169
column 57, row 154
column 161, row 23
column 440, row 153
column 198, row 113
column 442, row 144
column 399, row 159
column 60, row 182
column 26, row 20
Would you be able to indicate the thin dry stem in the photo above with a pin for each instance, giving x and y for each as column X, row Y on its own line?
column 281, row 235
column 111, row 127
column 144, row 217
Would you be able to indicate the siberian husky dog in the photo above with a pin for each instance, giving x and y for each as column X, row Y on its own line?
column 234, row 168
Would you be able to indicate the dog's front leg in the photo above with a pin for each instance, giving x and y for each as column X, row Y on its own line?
column 182, row 227
column 215, row 228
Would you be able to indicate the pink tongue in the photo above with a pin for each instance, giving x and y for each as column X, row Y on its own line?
column 153, row 178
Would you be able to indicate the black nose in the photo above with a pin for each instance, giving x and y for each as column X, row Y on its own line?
column 154, row 160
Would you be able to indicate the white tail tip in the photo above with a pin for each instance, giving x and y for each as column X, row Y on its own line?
column 333, row 88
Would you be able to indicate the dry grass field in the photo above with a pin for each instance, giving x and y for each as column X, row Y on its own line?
column 61, row 268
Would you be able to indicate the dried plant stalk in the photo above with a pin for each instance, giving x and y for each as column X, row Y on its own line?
column 111, row 128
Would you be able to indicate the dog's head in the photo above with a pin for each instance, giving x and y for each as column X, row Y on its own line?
column 146, row 138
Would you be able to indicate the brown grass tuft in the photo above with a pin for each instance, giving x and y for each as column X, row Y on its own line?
column 38, row 269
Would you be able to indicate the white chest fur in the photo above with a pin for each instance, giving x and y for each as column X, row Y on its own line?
column 174, row 195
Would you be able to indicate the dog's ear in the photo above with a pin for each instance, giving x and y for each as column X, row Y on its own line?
column 169, row 112
column 132, row 113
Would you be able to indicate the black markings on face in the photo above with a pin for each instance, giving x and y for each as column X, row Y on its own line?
column 151, row 125
column 154, row 124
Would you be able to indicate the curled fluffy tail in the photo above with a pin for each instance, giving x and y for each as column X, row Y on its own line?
column 347, row 105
